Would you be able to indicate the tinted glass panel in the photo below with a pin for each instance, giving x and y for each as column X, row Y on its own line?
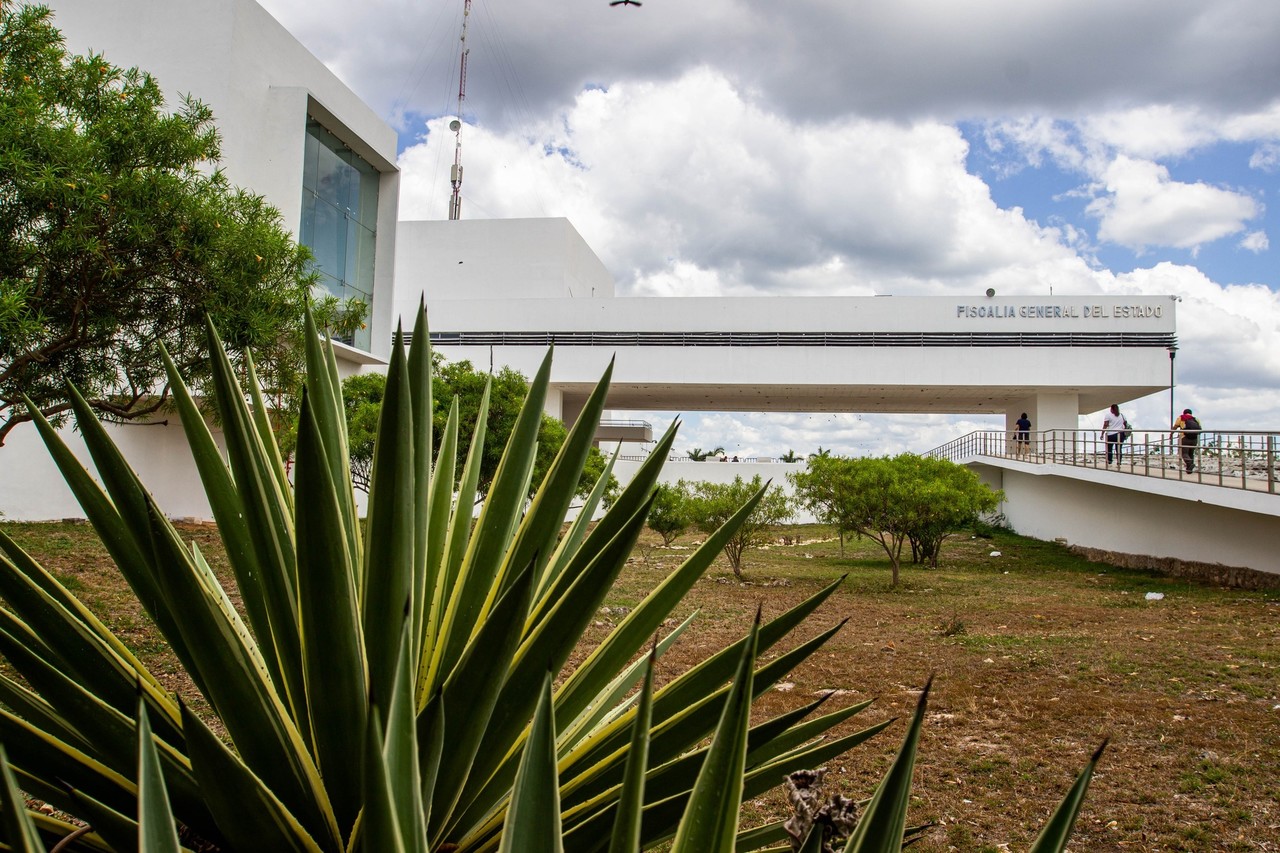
column 340, row 218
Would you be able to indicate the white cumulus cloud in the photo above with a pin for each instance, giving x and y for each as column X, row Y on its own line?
column 1142, row 206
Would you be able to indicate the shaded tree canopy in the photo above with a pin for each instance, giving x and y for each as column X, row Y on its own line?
column 669, row 514
column 363, row 393
column 119, row 235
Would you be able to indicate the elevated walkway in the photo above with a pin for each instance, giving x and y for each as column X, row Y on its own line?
column 1059, row 485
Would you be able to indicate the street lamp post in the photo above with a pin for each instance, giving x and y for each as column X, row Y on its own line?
column 1173, row 350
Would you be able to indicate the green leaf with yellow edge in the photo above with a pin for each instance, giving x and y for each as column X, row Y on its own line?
column 711, row 818
column 469, row 696
column 452, row 583
column 388, row 579
column 156, row 830
column 424, row 569
column 332, row 639
column 437, row 571
column 533, row 819
column 400, row 748
column 883, row 823
column 267, row 435
column 228, row 511
column 78, row 643
column 19, row 831
column 246, row 810
column 379, row 827
column 626, row 825
column 270, row 526
column 324, row 391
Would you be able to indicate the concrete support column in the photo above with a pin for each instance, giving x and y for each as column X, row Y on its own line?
column 554, row 404
column 1054, row 420
column 1046, row 412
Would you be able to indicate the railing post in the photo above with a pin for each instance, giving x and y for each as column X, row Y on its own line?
column 1271, row 463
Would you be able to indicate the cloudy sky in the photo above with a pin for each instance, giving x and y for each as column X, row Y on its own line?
column 759, row 147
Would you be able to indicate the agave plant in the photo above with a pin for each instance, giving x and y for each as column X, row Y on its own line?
column 398, row 683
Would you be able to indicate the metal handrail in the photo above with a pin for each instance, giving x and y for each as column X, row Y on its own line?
column 1239, row 459
column 622, row 422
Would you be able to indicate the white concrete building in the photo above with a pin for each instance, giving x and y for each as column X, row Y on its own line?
column 1052, row 357
column 291, row 132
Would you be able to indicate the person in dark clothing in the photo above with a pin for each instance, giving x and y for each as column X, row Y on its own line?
column 1022, row 437
column 1190, row 429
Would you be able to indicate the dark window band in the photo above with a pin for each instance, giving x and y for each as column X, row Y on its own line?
column 804, row 339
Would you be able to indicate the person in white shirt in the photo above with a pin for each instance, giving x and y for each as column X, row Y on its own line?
column 1113, row 426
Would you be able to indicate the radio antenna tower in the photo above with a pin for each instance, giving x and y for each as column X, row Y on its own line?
column 455, row 174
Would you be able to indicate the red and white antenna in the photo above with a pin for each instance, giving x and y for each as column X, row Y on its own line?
column 455, row 174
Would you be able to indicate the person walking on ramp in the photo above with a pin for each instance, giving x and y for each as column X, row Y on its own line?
column 1113, row 427
column 1190, row 428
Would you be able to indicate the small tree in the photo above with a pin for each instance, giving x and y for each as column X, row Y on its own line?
column 821, row 489
column 895, row 500
column 712, row 504
column 948, row 498
column 669, row 514
column 790, row 456
column 362, row 399
column 697, row 454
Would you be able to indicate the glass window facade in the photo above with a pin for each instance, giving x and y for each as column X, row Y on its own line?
column 340, row 218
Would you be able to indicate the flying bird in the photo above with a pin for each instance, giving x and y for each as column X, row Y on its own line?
column 626, row 3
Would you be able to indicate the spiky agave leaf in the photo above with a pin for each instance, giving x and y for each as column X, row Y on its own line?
column 1053, row 838
column 438, row 628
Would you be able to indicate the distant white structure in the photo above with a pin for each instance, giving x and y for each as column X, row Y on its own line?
column 502, row 291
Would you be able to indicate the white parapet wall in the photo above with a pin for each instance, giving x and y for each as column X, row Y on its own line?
column 32, row 488
column 1127, row 514
column 712, row 471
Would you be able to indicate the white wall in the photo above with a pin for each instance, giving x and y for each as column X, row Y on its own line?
column 32, row 488
column 1128, row 514
column 495, row 258
column 722, row 472
column 261, row 84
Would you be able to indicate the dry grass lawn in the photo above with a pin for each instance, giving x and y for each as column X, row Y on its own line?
column 1038, row 656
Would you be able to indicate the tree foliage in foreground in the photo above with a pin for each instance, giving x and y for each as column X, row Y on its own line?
column 118, row 234
column 895, row 500
column 711, row 505
column 392, row 685
column 505, row 391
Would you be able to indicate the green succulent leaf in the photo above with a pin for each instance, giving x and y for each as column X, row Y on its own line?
column 156, row 830
column 626, row 826
column 247, row 812
column 332, row 637
column 19, row 831
column 884, row 822
column 1056, row 833
column 533, row 820
column 711, row 819
column 389, row 553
